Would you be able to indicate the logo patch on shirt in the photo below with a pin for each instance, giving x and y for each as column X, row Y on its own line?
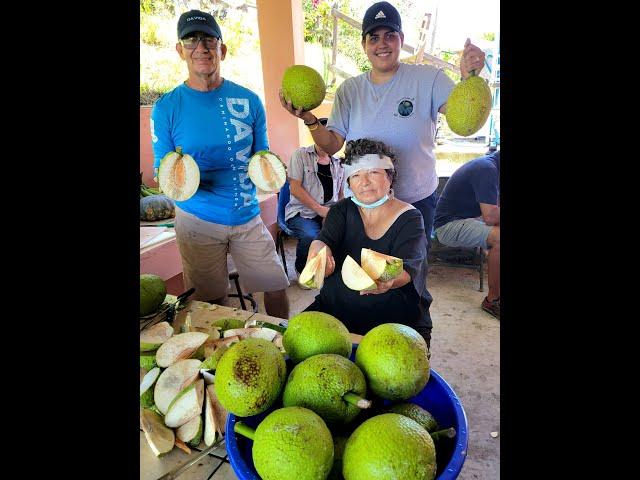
column 405, row 107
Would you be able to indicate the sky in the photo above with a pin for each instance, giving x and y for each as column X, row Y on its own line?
column 457, row 19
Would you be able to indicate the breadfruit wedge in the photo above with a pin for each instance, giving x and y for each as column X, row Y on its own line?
column 267, row 171
column 172, row 380
column 252, row 332
column 215, row 416
column 355, row 277
column 179, row 347
column 160, row 438
column 146, row 387
column 469, row 105
column 380, row 266
column 186, row 405
column 312, row 275
column 178, row 175
column 151, row 338
column 191, row 432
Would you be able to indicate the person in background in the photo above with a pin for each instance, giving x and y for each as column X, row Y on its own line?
column 315, row 180
column 468, row 215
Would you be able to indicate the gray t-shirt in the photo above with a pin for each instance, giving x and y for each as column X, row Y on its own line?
column 304, row 167
column 403, row 114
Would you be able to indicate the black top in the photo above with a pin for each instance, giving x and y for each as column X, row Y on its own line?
column 324, row 174
column 343, row 231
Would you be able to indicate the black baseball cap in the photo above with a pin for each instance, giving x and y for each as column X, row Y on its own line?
column 197, row 21
column 381, row 14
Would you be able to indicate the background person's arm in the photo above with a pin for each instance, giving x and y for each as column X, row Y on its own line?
column 490, row 214
column 298, row 191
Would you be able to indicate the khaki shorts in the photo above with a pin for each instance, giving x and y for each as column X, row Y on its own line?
column 204, row 246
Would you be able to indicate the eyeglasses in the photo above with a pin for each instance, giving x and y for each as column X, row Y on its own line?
column 190, row 43
column 388, row 37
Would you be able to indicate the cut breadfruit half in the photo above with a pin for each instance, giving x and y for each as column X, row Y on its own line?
column 191, row 432
column 354, row 277
column 312, row 275
column 215, row 416
column 380, row 266
column 159, row 437
column 179, row 347
column 178, row 175
column 151, row 338
column 186, row 405
column 267, row 171
column 172, row 380
column 146, row 387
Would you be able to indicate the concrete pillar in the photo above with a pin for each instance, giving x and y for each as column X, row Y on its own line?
column 280, row 23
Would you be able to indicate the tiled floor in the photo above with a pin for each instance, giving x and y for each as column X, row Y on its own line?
column 465, row 351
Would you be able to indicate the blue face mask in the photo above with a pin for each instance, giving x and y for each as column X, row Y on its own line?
column 370, row 205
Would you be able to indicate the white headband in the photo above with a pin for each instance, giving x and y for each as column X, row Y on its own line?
column 367, row 162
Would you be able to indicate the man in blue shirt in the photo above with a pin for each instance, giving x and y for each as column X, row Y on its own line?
column 221, row 125
column 468, row 215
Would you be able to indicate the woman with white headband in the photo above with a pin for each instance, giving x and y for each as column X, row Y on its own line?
column 373, row 218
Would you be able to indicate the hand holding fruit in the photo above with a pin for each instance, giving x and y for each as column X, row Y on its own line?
column 472, row 59
column 307, row 117
column 382, row 287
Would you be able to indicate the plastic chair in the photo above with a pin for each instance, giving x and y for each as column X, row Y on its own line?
column 457, row 257
column 284, row 231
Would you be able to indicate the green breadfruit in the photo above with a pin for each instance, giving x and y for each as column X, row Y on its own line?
column 417, row 413
column 303, row 86
column 468, row 106
column 311, row 333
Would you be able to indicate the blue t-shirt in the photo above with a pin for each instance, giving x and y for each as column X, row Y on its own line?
column 221, row 130
column 475, row 182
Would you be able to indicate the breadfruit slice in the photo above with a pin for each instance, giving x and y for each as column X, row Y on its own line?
column 191, row 432
column 172, row 380
column 179, row 347
column 186, row 405
column 215, row 416
column 178, row 175
column 152, row 337
column 312, row 275
column 146, row 390
column 267, row 171
column 355, row 277
column 160, row 438
column 380, row 266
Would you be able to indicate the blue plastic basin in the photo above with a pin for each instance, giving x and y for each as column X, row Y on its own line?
column 437, row 397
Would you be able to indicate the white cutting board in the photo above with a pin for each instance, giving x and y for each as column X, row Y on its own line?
column 149, row 233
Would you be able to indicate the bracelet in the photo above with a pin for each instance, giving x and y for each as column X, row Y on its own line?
column 312, row 123
column 313, row 126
